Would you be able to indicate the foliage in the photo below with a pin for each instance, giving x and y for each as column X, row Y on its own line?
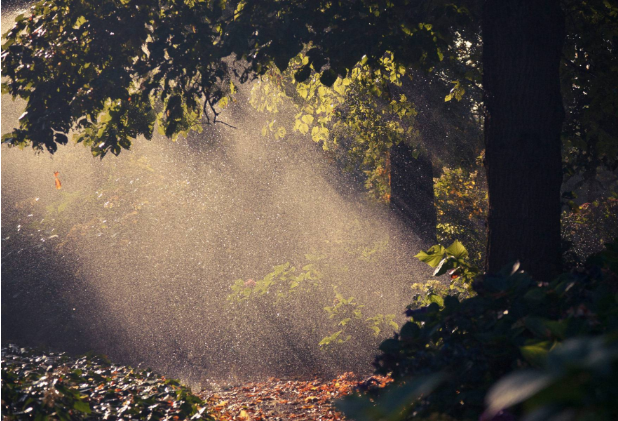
column 587, row 227
column 286, row 288
column 348, row 315
column 577, row 382
column 393, row 404
column 357, row 119
column 108, row 70
column 280, row 283
column 453, row 261
column 511, row 322
column 589, row 79
column 44, row 386
column 461, row 209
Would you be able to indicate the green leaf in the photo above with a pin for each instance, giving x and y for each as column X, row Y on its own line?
column 432, row 257
column 82, row 406
column 332, row 338
column 535, row 354
column 79, row 22
column 434, row 298
column 105, row 117
column 544, row 328
column 445, row 265
column 457, row 250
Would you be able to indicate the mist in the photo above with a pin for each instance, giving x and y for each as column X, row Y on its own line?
column 135, row 256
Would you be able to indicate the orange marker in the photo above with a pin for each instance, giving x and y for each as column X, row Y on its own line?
column 58, row 183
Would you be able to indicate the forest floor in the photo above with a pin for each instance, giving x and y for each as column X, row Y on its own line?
column 278, row 399
column 38, row 383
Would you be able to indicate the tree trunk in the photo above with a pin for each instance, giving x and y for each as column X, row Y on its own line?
column 412, row 192
column 522, row 43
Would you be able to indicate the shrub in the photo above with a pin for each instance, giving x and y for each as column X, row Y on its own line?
column 42, row 386
column 461, row 209
column 576, row 382
column 511, row 323
column 342, row 320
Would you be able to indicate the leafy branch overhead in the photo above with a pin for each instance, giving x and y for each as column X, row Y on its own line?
column 110, row 71
column 358, row 119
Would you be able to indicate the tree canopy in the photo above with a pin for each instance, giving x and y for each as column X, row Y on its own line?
column 110, row 70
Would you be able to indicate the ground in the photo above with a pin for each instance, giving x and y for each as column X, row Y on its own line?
column 41, row 385
column 278, row 399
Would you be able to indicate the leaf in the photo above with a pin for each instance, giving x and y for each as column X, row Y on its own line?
column 432, row 257
column 79, row 22
column 393, row 403
column 457, row 250
column 515, row 388
column 445, row 265
column 105, row 117
column 302, row 74
column 434, row 298
column 544, row 328
column 307, row 119
column 82, row 406
column 281, row 132
column 535, row 354
column 57, row 180
column 409, row 330
column 328, row 77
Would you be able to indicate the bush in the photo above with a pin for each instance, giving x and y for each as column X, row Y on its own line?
column 332, row 319
column 577, row 382
column 461, row 208
column 511, row 323
column 42, row 386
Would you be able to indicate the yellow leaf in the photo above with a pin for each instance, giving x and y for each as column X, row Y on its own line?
column 281, row 132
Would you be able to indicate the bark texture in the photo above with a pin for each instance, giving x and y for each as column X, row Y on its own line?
column 522, row 43
column 412, row 194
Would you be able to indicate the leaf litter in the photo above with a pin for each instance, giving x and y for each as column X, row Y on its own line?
column 278, row 399
column 42, row 386
column 46, row 385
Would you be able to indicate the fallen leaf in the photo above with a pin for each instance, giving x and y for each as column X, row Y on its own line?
column 58, row 183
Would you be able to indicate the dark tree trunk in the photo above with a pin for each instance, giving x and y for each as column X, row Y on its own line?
column 522, row 43
column 412, row 192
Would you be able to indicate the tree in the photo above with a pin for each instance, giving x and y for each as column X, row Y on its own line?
column 109, row 70
column 524, row 114
column 367, row 123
